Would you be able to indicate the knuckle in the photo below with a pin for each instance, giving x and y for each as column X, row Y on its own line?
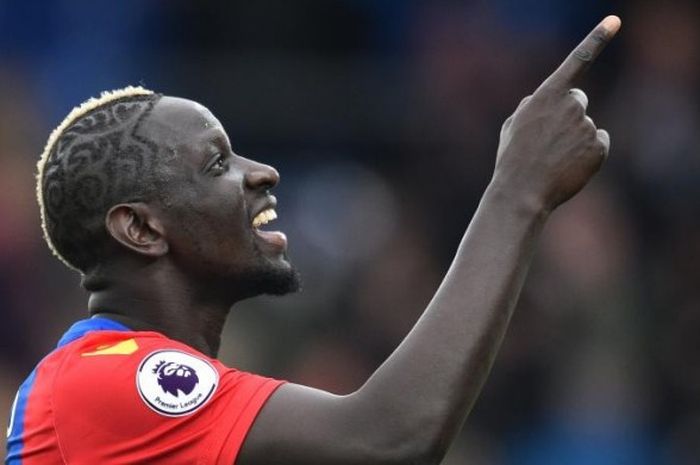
column 583, row 54
column 600, row 37
column 588, row 132
column 596, row 146
column 506, row 123
column 581, row 103
column 581, row 94
column 574, row 108
column 602, row 150
column 591, row 133
column 524, row 101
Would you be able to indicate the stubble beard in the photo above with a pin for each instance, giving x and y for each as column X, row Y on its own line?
column 270, row 278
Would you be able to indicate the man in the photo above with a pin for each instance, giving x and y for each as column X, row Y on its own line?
column 144, row 196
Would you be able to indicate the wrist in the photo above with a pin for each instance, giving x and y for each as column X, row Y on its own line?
column 521, row 203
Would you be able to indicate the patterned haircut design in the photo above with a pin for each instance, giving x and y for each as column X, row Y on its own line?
column 92, row 161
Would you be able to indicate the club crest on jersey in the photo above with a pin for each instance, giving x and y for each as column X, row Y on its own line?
column 175, row 383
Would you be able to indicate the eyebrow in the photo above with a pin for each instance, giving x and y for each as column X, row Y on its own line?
column 220, row 139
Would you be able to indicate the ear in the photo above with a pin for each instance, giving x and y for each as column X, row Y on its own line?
column 135, row 226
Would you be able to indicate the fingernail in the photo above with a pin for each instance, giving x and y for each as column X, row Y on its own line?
column 611, row 23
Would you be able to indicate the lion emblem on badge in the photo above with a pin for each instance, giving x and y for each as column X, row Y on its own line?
column 174, row 383
column 173, row 377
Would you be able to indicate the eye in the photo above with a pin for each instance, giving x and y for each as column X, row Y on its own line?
column 220, row 165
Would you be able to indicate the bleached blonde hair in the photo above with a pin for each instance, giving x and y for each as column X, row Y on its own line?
column 75, row 114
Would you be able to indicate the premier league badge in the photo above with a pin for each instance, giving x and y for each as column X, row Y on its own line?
column 175, row 383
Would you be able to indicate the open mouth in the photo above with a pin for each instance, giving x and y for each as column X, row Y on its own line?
column 264, row 217
column 277, row 239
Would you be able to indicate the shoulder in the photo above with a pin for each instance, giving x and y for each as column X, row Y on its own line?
column 145, row 389
column 128, row 385
column 113, row 363
column 147, row 374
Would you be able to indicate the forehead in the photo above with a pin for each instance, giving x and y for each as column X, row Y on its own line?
column 177, row 121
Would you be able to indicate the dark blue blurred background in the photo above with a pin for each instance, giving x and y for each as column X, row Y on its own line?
column 383, row 117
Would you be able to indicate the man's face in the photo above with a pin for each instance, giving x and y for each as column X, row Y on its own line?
column 214, row 205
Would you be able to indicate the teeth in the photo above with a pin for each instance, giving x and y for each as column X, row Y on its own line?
column 264, row 217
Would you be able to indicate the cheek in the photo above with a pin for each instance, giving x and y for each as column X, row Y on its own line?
column 210, row 222
column 217, row 233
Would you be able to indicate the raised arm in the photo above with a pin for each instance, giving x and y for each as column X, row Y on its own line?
column 412, row 407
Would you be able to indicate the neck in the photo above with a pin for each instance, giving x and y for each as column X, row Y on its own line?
column 206, row 339
column 166, row 304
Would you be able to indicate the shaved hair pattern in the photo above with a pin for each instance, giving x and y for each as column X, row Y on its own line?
column 92, row 161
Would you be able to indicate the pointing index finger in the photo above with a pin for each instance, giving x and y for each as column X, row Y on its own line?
column 583, row 55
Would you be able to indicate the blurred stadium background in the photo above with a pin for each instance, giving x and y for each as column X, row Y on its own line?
column 383, row 118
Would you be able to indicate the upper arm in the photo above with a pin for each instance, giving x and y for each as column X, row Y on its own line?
column 302, row 425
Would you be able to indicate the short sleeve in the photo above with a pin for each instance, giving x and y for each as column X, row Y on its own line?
column 163, row 403
column 242, row 393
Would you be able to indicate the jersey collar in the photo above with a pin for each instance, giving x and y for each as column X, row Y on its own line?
column 83, row 327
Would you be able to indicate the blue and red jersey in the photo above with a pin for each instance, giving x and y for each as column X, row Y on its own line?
column 108, row 395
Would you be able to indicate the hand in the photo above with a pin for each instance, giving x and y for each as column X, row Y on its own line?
column 549, row 148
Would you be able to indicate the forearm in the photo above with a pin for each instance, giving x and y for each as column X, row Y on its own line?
column 431, row 381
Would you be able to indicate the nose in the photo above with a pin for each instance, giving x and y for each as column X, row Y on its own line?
column 260, row 176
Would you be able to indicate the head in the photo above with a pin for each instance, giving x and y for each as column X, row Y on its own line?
column 134, row 180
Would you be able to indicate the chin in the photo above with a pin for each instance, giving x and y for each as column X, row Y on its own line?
column 281, row 282
column 272, row 279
